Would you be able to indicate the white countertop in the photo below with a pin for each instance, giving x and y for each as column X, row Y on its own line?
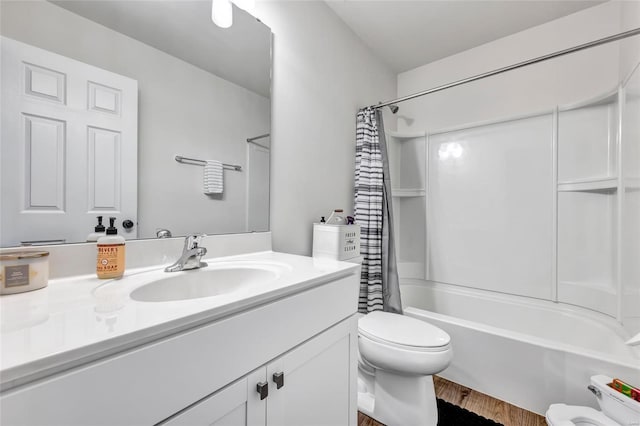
column 77, row 320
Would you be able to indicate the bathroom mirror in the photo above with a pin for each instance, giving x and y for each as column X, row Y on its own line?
column 99, row 98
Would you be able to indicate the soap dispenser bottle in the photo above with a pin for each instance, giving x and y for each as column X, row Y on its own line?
column 99, row 231
column 336, row 217
column 111, row 247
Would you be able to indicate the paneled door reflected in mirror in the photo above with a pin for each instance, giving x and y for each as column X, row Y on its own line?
column 98, row 99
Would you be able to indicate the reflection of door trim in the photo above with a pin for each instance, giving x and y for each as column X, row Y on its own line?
column 260, row 145
column 248, row 180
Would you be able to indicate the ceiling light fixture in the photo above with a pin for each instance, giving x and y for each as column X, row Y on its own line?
column 222, row 13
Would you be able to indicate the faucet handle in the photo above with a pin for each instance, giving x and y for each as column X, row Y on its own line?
column 193, row 241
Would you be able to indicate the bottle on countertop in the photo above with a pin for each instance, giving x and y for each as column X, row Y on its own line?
column 336, row 218
column 111, row 249
column 99, row 231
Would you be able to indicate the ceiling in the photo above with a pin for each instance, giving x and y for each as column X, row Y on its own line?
column 407, row 34
column 240, row 54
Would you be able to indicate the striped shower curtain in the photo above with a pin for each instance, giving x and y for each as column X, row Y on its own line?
column 379, row 284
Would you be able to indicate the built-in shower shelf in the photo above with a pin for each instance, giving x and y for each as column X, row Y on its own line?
column 585, row 185
column 607, row 98
column 405, row 135
column 407, row 192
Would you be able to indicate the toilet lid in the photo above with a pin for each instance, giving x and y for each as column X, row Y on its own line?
column 565, row 415
column 402, row 330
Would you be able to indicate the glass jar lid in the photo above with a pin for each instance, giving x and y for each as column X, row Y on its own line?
column 23, row 255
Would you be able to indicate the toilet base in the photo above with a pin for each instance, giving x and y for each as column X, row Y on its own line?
column 397, row 400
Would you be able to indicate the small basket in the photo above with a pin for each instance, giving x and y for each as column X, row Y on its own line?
column 340, row 242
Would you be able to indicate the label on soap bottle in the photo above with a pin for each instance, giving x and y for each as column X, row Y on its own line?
column 110, row 261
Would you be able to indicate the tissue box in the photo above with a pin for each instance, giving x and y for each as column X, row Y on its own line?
column 340, row 242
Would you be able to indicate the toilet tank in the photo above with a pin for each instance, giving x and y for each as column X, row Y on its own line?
column 614, row 404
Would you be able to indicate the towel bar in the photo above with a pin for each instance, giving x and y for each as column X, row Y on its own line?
column 187, row 160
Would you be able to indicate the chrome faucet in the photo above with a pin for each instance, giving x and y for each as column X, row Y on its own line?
column 163, row 233
column 191, row 255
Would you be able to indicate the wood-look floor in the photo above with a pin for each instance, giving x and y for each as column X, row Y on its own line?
column 476, row 402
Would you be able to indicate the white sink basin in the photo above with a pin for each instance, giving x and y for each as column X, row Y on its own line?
column 207, row 282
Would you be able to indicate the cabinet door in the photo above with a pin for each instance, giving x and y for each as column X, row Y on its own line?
column 238, row 404
column 317, row 386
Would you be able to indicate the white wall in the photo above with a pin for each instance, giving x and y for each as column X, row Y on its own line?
column 182, row 110
column 630, row 267
column 630, row 47
column 537, row 87
column 322, row 74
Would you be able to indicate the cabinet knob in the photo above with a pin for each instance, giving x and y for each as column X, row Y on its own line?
column 278, row 379
column 263, row 389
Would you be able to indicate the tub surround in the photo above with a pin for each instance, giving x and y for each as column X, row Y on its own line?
column 530, row 353
column 80, row 326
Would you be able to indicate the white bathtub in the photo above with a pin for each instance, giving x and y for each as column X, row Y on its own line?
column 529, row 352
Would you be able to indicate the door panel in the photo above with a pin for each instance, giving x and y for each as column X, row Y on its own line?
column 44, row 83
column 68, row 148
column 104, row 169
column 44, row 141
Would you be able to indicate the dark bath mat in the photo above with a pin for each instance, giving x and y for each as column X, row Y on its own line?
column 452, row 415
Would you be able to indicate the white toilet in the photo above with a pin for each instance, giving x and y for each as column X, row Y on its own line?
column 398, row 356
column 617, row 409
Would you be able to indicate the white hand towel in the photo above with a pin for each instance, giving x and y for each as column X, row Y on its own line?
column 213, row 177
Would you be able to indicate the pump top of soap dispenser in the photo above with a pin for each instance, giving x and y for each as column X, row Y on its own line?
column 99, row 231
column 112, row 230
column 99, row 227
column 111, row 236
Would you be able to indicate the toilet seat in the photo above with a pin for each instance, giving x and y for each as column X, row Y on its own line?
column 403, row 332
column 383, row 342
column 404, row 345
column 569, row 415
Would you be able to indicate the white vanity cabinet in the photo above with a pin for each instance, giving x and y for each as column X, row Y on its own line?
column 237, row 404
column 309, row 385
column 319, row 387
column 208, row 373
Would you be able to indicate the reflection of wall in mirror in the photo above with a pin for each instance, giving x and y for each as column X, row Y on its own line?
column 258, row 163
column 182, row 110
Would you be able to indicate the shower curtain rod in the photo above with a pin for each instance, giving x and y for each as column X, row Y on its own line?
column 594, row 43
